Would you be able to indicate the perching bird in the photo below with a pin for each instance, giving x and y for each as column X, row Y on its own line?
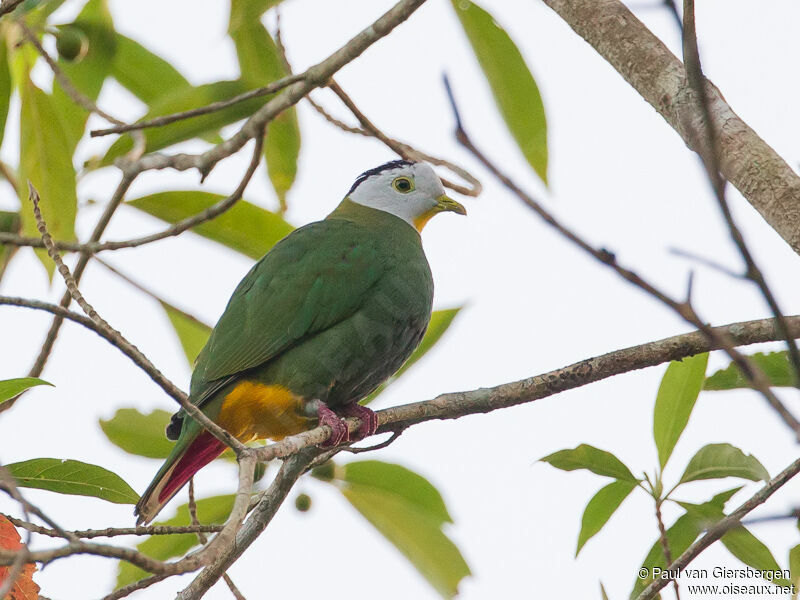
column 325, row 317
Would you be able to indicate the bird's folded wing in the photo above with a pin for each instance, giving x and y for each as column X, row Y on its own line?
column 316, row 277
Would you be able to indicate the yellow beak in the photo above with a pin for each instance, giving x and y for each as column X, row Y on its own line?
column 443, row 204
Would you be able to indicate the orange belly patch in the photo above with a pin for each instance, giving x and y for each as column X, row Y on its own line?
column 256, row 411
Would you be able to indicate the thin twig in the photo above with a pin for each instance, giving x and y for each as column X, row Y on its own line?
column 720, row 528
column 260, row 517
column 116, row 531
column 707, row 262
column 356, row 450
column 406, row 151
column 173, row 230
column 662, row 536
column 314, row 77
column 69, row 88
column 147, row 292
column 271, row 88
column 80, row 266
column 369, row 129
column 128, row 350
column 23, row 552
column 709, row 153
column 684, row 309
column 87, row 308
column 9, row 5
column 135, row 586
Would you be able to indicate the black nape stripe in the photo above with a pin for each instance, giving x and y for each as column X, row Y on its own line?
column 393, row 164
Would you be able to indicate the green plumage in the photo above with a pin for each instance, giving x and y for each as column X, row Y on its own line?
column 330, row 312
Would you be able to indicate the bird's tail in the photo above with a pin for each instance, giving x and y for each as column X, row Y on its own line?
column 175, row 472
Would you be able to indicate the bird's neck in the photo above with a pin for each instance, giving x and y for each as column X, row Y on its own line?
column 371, row 217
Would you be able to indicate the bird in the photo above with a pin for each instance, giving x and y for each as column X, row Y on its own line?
column 318, row 323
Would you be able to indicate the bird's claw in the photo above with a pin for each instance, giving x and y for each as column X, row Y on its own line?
column 369, row 420
column 339, row 430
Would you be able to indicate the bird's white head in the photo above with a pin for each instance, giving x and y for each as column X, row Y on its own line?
column 409, row 190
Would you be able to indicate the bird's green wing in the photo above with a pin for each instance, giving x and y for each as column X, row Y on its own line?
column 311, row 280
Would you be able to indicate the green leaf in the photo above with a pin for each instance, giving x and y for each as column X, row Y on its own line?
column 715, row 461
column 775, row 366
column 751, row 551
column 185, row 99
column 591, row 458
column 414, row 489
column 245, row 227
column 794, row 563
column 88, row 74
column 46, row 160
column 10, row 222
column 513, row 86
column 281, row 151
column 440, row 322
column 260, row 63
column 600, row 508
column 192, row 333
column 409, row 512
column 245, row 12
column 72, row 477
column 162, row 547
column 11, row 387
column 143, row 73
column 138, row 433
column 6, row 85
column 603, row 593
column 677, row 394
column 739, row 541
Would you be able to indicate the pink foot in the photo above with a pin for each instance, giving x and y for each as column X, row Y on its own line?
column 339, row 432
column 369, row 420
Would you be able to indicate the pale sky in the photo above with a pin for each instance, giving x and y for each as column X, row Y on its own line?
column 619, row 175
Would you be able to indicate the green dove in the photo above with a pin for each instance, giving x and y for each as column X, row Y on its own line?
column 325, row 317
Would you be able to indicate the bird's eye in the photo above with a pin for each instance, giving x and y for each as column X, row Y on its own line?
column 403, row 185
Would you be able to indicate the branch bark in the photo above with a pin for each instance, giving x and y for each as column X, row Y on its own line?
column 747, row 161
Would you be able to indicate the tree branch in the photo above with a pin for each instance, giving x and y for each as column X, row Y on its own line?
column 709, row 154
column 261, row 516
column 312, row 78
column 459, row 404
column 8, row 6
column 684, row 308
column 80, row 266
column 72, row 288
column 747, row 161
column 720, row 528
column 271, row 88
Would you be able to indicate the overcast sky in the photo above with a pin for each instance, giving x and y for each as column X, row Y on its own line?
column 619, row 175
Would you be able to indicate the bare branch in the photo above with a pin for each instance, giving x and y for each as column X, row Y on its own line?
column 312, row 78
column 749, row 163
column 406, row 151
column 134, row 587
column 271, row 88
column 662, row 536
column 87, row 308
column 459, row 404
column 709, row 153
column 684, row 309
column 173, row 230
column 116, row 531
column 8, row 6
column 261, row 516
column 80, row 266
column 136, row 356
column 716, row 531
